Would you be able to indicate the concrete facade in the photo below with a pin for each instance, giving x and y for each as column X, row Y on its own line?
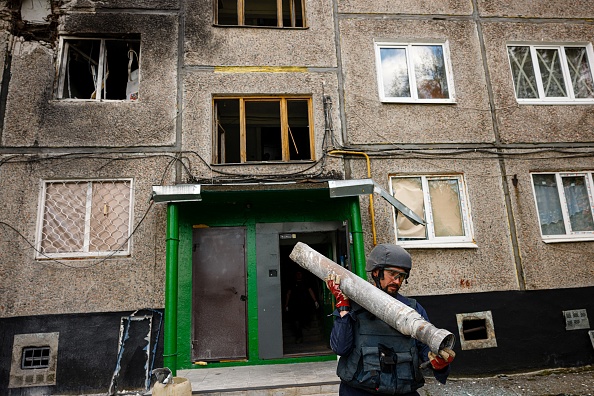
column 483, row 136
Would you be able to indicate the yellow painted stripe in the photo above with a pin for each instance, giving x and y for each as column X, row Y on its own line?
column 260, row 69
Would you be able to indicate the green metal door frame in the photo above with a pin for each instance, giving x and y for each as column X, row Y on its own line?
column 178, row 302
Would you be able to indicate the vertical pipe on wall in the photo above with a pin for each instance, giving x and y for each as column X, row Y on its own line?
column 358, row 243
column 170, row 334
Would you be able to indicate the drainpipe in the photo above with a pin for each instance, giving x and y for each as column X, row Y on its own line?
column 371, row 207
column 170, row 333
column 358, row 244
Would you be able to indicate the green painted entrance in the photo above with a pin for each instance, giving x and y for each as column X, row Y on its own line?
column 270, row 220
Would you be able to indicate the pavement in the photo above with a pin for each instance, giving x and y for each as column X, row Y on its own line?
column 320, row 379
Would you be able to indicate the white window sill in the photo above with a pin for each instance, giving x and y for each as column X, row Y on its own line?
column 555, row 102
column 567, row 238
column 437, row 245
column 81, row 256
column 413, row 101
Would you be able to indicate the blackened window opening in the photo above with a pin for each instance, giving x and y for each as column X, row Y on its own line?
column 275, row 129
column 271, row 13
column 35, row 357
column 100, row 69
column 474, row 329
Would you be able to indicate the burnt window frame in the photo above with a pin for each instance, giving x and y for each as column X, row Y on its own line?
column 63, row 64
column 286, row 139
column 279, row 15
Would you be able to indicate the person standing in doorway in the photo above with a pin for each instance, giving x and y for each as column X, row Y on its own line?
column 300, row 303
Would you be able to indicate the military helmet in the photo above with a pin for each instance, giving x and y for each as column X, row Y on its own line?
column 388, row 255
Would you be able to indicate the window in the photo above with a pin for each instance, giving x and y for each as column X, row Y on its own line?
column 85, row 218
column 565, row 204
column 99, row 69
column 35, row 357
column 275, row 13
column 263, row 129
column 414, row 73
column 34, row 360
column 443, row 202
column 552, row 73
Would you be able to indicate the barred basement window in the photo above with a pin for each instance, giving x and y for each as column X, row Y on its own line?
column 99, row 69
column 85, row 218
column 35, row 357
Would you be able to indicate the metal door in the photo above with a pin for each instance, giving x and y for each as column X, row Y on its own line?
column 219, row 294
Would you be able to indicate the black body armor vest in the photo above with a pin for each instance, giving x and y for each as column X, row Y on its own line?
column 383, row 360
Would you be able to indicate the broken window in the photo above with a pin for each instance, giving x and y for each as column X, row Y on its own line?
column 413, row 73
column 276, row 13
column 263, row 129
column 556, row 73
column 442, row 201
column 99, row 69
column 565, row 205
column 85, row 218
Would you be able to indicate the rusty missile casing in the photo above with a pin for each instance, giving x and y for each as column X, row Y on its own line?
column 396, row 314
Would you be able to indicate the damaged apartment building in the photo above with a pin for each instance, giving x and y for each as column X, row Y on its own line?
column 159, row 160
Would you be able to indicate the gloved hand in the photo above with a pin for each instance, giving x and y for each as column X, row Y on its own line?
column 333, row 283
column 445, row 357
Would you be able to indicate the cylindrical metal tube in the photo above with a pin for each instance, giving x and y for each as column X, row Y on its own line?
column 396, row 314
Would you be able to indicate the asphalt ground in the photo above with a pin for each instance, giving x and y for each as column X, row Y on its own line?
column 558, row 382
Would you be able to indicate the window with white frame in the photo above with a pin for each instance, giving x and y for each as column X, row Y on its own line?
column 99, row 69
column 414, row 72
column 552, row 73
column 443, row 202
column 565, row 205
column 85, row 218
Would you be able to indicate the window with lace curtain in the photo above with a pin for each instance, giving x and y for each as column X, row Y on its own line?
column 565, row 205
column 85, row 218
column 443, row 202
column 552, row 73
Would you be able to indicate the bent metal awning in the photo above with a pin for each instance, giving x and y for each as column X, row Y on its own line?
column 336, row 188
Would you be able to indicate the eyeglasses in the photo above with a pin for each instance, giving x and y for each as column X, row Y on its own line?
column 396, row 274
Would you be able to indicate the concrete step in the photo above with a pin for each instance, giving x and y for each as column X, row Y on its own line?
column 314, row 390
column 292, row 379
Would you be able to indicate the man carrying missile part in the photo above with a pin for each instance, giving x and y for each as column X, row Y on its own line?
column 374, row 357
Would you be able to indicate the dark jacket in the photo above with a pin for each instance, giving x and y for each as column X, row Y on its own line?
column 346, row 336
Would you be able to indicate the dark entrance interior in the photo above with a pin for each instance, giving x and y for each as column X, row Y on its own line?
column 306, row 328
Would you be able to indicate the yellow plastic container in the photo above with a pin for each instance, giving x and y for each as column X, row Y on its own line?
column 180, row 387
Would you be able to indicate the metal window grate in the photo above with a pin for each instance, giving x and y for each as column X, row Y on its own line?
column 35, row 357
column 83, row 218
column 576, row 319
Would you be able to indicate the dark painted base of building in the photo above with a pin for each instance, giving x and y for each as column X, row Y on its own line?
column 88, row 350
column 530, row 329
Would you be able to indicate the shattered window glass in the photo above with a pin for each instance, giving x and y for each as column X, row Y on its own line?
column 99, row 69
column 441, row 201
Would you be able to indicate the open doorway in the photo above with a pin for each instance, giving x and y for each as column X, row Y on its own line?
column 306, row 302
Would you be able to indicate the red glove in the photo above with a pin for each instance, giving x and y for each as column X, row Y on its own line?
column 333, row 283
column 445, row 357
